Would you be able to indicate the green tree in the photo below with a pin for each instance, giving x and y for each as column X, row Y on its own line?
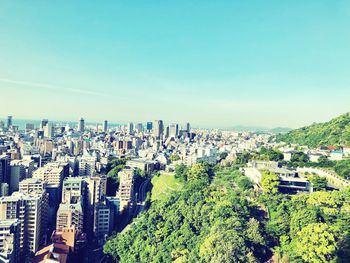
column 319, row 183
column 343, row 168
column 174, row 157
column 269, row 182
column 300, row 157
column 197, row 171
column 316, row 243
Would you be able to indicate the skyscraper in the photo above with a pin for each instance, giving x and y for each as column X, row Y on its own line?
column 105, row 126
column 130, row 128
column 158, row 128
column 174, row 130
column 44, row 122
column 149, row 126
column 81, row 126
column 9, row 122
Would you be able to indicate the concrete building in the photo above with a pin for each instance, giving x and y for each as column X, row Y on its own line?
column 103, row 220
column 81, row 125
column 105, row 126
column 19, row 170
column 49, row 130
column 10, row 231
column 174, row 130
column 70, row 215
column 126, row 188
column 31, row 211
column 145, row 165
column 158, row 129
column 87, row 165
column 51, row 174
column 73, row 190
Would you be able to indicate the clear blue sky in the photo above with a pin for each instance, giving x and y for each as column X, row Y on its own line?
column 213, row 63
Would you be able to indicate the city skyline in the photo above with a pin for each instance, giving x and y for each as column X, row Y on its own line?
column 215, row 65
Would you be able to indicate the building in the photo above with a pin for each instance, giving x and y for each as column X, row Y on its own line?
column 32, row 185
column 336, row 156
column 113, row 202
column 149, row 126
column 158, row 129
column 4, row 168
column 31, row 211
column 87, row 165
column 130, row 128
column 105, row 126
column 145, row 165
column 44, row 122
column 49, row 130
column 103, row 220
column 139, row 127
column 126, row 188
column 19, row 170
column 70, row 215
column 64, row 248
column 263, row 165
column 174, row 130
column 51, row 174
column 73, row 190
column 10, row 231
column 9, row 122
column 81, row 125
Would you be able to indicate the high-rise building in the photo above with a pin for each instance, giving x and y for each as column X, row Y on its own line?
column 105, row 126
column 73, row 190
column 126, row 188
column 130, row 128
column 149, row 126
column 31, row 211
column 44, row 122
column 9, row 122
column 103, row 220
column 51, row 174
column 49, row 130
column 70, row 215
column 174, row 130
column 158, row 128
column 10, row 231
column 81, row 126
column 139, row 127
column 87, row 165
column 188, row 127
column 19, row 170
column 4, row 168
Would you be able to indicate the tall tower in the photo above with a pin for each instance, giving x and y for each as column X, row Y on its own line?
column 105, row 126
column 9, row 122
column 81, row 126
column 158, row 128
column 44, row 122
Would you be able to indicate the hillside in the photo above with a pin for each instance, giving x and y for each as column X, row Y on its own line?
column 335, row 132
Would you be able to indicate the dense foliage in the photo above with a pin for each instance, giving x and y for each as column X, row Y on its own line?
column 335, row 132
column 310, row 227
column 218, row 217
column 210, row 220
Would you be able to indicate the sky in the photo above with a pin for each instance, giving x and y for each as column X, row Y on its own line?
column 212, row 63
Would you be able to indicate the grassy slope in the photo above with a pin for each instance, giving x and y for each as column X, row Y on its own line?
column 163, row 185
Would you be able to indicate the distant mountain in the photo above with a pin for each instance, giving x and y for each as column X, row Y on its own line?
column 241, row 128
column 335, row 132
column 281, row 130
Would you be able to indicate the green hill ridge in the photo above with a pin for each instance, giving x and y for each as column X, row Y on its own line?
column 335, row 132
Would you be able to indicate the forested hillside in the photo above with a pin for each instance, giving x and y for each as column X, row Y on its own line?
column 335, row 132
column 218, row 217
